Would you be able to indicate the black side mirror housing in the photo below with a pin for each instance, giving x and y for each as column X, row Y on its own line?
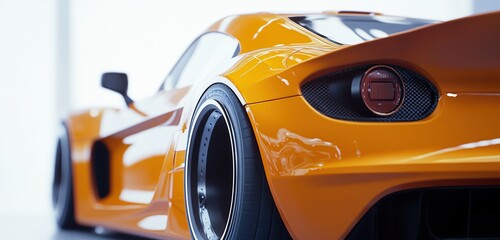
column 117, row 82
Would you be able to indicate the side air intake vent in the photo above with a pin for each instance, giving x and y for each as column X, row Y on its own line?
column 101, row 169
column 342, row 95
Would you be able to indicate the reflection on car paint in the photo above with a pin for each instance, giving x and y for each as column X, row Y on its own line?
column 293, row 155
column 256, row 34
column 465, row 146
column 136, row 196
column 140, row 149
column 154, row 223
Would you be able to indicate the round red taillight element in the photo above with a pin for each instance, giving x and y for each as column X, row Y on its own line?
column 382, row 90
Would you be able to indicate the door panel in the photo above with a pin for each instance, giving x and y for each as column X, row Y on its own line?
column 137, row 139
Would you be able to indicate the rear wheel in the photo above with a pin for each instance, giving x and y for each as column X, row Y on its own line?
column 62, row 186
column 227, row 195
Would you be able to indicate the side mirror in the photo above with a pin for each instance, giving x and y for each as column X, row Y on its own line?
column 117, row 82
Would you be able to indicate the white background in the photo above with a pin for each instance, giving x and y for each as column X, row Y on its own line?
column 52, row 53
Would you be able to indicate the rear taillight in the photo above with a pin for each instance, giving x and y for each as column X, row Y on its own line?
column 379, row 89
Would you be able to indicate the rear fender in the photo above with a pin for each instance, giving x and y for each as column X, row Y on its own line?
column 457, row 56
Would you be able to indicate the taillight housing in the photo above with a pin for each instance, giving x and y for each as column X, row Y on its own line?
column 379, row 90
column 372, row 93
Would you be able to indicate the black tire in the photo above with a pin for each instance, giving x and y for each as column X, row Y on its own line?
column 227, row 194
column 62, row 186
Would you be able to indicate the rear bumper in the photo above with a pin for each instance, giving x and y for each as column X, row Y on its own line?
column 325, row 174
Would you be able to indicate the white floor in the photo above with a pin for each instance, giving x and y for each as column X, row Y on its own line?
column 42, row 227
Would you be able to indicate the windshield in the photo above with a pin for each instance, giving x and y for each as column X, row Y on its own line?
column 352, row 29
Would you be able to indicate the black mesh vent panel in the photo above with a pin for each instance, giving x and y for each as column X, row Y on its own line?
column 420, row 98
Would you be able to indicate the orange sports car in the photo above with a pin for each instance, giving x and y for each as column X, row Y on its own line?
column 336, row 125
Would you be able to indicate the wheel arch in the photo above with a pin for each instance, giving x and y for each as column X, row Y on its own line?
column 198, row 106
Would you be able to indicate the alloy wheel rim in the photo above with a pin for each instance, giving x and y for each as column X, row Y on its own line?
column 210, row 174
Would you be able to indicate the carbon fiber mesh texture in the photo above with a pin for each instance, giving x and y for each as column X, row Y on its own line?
column 420, row 98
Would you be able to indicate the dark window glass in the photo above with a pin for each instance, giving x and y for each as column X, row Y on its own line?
column 201, row 59
column 352, row 29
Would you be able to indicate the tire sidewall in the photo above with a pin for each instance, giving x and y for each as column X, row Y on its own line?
column 223, row 95
column 64, row 205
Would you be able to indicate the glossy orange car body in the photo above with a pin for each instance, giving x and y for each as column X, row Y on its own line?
column 324, row 173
